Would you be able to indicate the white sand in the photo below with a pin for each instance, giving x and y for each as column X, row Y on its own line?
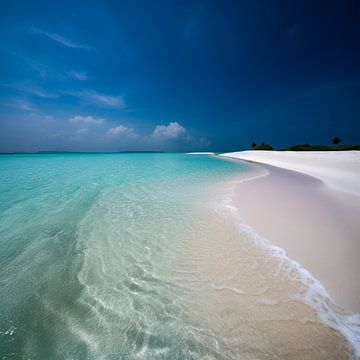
column 307, row 216
column 337, row 169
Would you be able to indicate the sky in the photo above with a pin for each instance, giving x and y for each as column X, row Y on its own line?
column 170, row 75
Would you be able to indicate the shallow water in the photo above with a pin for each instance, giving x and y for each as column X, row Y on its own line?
column 138, row 256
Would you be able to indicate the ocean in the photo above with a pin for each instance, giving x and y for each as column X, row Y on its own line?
column 143, row 256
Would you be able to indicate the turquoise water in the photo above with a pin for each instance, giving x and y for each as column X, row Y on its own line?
column 87, row 244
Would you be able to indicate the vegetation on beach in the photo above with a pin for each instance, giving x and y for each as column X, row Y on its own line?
column 307, row 147
column 262, row 146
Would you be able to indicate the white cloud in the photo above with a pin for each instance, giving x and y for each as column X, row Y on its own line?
column 99, row 99
column 19, row 104
column 106, row 100
column 86, row 119
column 120, row 130
column 43, row 71
column 61, row 40
column 82, row 131
column 31, row 89
column 57, row 136
column 78, row 75
column 37, row 91
column 172, row 131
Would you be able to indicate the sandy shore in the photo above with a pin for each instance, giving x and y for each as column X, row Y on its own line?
column 339, row 170
column 314, row 218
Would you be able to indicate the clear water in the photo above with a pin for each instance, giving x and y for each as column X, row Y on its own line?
column 142, row 256
column 86, row 248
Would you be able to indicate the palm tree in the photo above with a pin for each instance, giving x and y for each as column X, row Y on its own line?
column 253, row 145
column 336, row 140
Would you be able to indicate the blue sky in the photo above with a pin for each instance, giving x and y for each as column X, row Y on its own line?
column 177, row 75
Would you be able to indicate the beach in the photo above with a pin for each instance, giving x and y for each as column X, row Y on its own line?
column 309, row 205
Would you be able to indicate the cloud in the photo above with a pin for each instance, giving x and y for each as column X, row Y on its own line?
column 105, row 100
column 46, row 72
column 37, row 91
column 120, row 130
column 78, row 75
column 82, row 131
column 172, row 131
column 86, row 119
column 20, row 104
column 176, row 136
column 23, row 105
column 43, row 71
column 99, row 99
column 60, row 135
column 31, row 89
column 61, row 40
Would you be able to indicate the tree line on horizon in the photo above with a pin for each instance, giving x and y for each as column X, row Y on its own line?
column 307, row 147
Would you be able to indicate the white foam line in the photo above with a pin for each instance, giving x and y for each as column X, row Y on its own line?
column 223, row 287
column 316, row 295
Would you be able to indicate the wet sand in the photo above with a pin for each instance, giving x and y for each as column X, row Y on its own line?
column 254, row 300
column 316, row 225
